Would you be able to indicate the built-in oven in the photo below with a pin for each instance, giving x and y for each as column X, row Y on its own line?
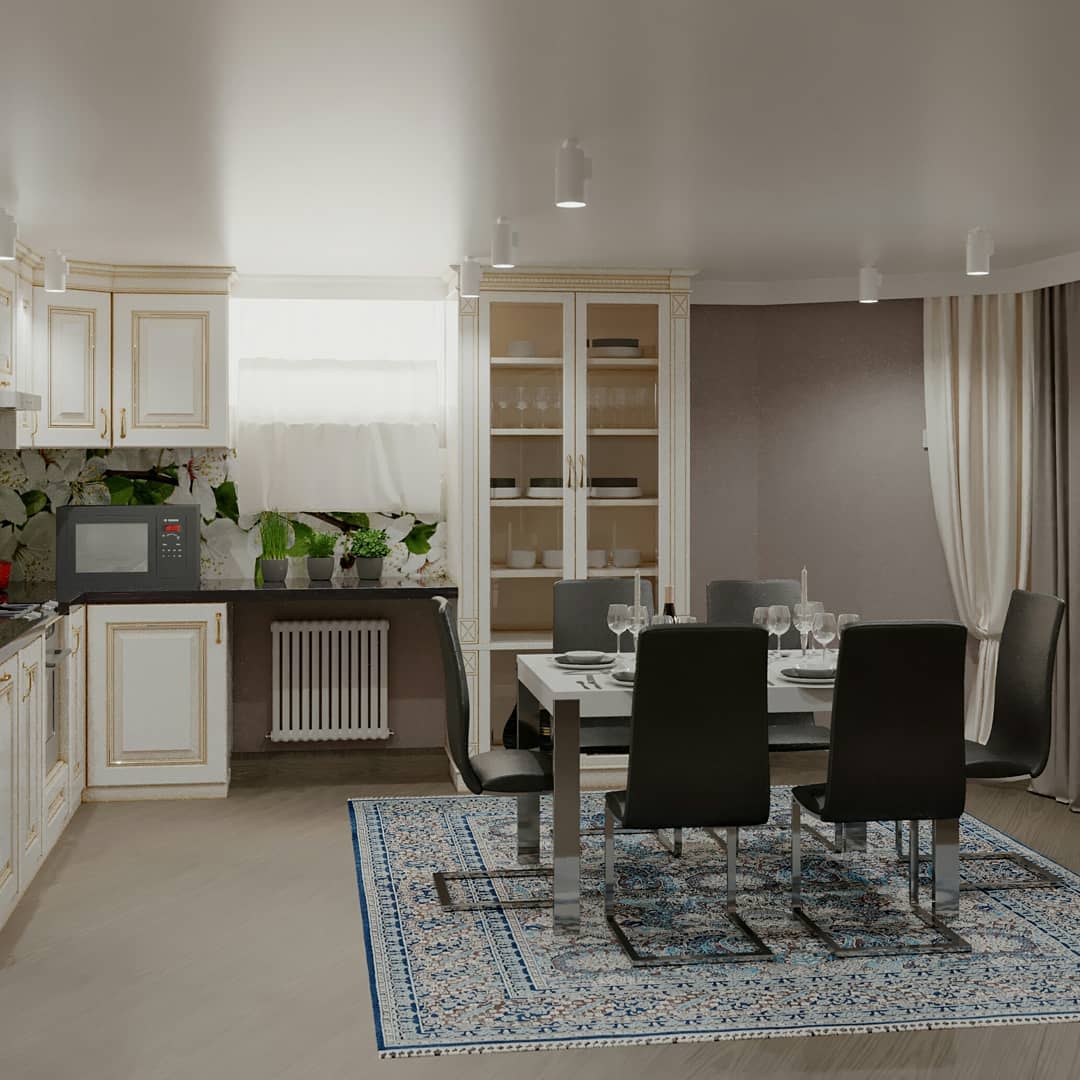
column 126, row 549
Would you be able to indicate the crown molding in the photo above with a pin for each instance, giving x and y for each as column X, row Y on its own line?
column 1013, row 279
column 325, row 287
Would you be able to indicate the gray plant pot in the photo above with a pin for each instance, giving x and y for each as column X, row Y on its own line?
column 320, row 569
column 369, row 569
column 274, row 570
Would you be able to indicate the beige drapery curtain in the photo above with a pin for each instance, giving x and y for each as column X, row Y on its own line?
column 1055, row 566
column 979, row 380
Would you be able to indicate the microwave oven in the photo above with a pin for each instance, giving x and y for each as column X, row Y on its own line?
column 126, row 549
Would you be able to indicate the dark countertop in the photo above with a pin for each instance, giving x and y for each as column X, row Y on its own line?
column 227, row 590
column 14, row 633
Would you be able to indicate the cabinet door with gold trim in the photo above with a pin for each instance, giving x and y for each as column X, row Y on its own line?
column 30, row 847
column 170, row 370
column 76, row 703
column 71, row 368
column 8, row 308
column 9, row 807
column 157, row 695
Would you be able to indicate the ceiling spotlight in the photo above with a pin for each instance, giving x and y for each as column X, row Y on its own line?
column 503, row 242
column 56, row 271
column 980, row 246
column 9, row 233
column 869, row 284
column 572, row 169
column 469, row 278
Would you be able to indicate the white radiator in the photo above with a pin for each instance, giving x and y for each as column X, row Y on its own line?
column 330, row 680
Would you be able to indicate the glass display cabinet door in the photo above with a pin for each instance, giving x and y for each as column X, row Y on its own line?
column 622, row 366
column 527, row 459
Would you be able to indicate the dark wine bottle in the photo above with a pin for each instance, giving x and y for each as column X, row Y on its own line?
column 669, row 601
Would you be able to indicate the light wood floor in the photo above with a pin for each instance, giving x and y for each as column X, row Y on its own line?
column 223, row 939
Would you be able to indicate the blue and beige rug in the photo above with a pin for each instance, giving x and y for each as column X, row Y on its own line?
column 479, row 982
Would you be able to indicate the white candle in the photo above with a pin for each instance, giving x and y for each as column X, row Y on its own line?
column 637, row 588
column 802, row 595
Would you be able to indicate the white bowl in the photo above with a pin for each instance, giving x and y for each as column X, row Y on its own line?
column 521, row 560
column 552, row 558
column 596, row 558
column 626, row 557
column 521, row 348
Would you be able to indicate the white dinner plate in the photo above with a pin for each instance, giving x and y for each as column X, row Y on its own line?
column 601, row 665
column 614, row 493
column 795, row 681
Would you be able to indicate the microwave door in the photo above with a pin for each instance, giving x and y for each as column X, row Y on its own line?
column 112, row 547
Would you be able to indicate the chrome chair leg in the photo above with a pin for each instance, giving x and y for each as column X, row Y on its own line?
column 913, row 860
column 849, row 836
column 675, row 847
column 528, row 828
column 796, row 855
column 946, row 867
column 609, row 864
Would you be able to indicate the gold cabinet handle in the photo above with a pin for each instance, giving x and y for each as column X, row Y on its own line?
column 104, row 425
column 29, row 673
column 77, row 632
column 217, row 619
column 582, row 476
column 5, row 678
column 123, row 423
column 570, row 471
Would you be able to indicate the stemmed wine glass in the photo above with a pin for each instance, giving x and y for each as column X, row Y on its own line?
column 824, row 630
column 802, row 618
column 844, row 621
column 618, row 621
column 521, row 404
column 639, row 619
column 779, row 622
column 761, row 618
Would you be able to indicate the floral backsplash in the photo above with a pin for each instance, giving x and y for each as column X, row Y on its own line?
column 33, row 483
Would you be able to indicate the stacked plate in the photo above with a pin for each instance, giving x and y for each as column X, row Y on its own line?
column 504, row 487
column 544, row 487
column 615, row 487
column 808, row 675
column 603, row 348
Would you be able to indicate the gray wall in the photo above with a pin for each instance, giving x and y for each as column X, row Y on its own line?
column 806, row 447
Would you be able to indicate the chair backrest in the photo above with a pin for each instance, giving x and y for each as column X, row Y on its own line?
column 732, row 603
column 580, row 611
column 457, row 694
column 896, row 751
column 1023, row 692
column 699, row 743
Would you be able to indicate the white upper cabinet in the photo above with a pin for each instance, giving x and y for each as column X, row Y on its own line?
column 8, row 308
column 170, row 370
column 71, row 365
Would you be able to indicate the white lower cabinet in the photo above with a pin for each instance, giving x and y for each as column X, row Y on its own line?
column 9, row 775
column 75, row 694
column 157, row 701
column 30, row 751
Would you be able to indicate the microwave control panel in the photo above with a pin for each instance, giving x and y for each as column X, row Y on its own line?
column 172, row 540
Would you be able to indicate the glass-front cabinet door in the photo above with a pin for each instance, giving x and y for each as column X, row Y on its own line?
column 528, row 460
column 622, row 346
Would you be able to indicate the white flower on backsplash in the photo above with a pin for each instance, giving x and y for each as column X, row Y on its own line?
column 36, row 559
column 199, row 473
column 396, row 529
column 12, row 471
column 401, row 562
column 67, row 476
column 228, row 551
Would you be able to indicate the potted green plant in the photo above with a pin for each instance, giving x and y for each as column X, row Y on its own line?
column 274, row 531
column 320, row 556
column 366, row 548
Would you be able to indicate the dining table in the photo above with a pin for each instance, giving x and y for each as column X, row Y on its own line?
column 570, row 696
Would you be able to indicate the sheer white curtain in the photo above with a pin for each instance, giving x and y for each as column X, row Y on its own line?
column 339, row 404
column 979, row 376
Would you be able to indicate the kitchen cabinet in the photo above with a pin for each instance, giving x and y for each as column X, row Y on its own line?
column 75, row 694
column 594, row 438
column 170, row 370
column 72, row 339
column 30, row 742
column 157, row 701
column 8, row 322
column 9, row 804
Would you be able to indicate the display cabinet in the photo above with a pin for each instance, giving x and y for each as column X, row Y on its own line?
column 572, row 459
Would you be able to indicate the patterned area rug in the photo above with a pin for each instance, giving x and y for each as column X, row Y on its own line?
column 480, row 982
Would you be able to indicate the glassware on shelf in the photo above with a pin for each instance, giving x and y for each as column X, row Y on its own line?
column 644, row 407
column 620, row 404
column 618, row 621
column 598, row 406
column 544, row 405
column 779, row 622
column 502, row 406
column 522, row 402
column 824, row 630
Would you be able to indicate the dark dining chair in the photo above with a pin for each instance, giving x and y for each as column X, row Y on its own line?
column 732, row 603
column 524, row 773
column 896, row 754
column 1019, row 743
column 698, row 758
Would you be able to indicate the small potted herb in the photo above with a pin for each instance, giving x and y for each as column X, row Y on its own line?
column 320, row 556
column 366, row 548
column 274, row 531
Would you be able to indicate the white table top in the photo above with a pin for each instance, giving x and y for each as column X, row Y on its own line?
column 549, row 683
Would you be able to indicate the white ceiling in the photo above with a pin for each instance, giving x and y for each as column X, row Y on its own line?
column 755, row 140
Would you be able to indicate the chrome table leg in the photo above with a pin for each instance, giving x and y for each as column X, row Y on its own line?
column 528, row 828
column 566, row 813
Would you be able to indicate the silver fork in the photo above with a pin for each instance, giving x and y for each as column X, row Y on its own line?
column 592, row 678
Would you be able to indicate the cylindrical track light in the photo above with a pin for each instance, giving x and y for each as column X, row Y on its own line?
column 869, row 284
column 9, row 233
column 503, row 242
column 572, row 169
column 980, row 246
column 56, row 270
column 469, row 278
